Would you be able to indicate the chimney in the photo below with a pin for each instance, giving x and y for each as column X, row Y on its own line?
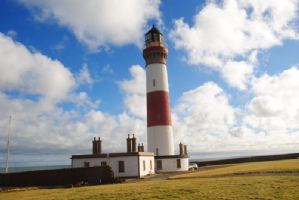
column 134, row 144
column 185, row 150
column 142, row 148
column 94, row 146
column 181, row 148
column 99, row 146
column 138, row 147
column 129, row 144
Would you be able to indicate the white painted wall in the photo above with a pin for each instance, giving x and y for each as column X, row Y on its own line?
column 160, row 137
column 147, row 160
column 92, row 162
column 131, row 164
column 170, row 165
column 159, row 73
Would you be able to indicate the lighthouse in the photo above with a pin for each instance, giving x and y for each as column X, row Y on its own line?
column 160, row 156
column 159, row 127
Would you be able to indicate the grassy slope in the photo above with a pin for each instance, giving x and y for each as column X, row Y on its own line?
column 282, row 166
column 257, row 187
column 282, row 187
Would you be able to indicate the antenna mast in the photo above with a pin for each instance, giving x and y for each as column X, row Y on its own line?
column 8, row 142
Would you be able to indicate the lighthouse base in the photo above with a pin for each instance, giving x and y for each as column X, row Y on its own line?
column 171, row 163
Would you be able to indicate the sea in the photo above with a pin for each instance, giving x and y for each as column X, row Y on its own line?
column 33, row 168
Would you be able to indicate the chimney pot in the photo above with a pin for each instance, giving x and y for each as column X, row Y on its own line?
column 185, row 150
column 99, row 145
column 181, row 148
column 134, row 144
column 129, row 144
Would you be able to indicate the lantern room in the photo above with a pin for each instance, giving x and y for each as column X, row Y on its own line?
column 154, row 38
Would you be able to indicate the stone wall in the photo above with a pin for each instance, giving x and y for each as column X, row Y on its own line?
column 92, row 175
column 249, row 159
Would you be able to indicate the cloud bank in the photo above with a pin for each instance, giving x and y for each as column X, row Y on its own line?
column 99, row 24
column 231, row 29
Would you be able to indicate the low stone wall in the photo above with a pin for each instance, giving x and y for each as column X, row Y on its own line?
column 249, row 159
column 92, row 175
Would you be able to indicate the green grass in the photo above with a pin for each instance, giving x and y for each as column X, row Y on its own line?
column 282, row 187
column 282, row 166
column 244, row 187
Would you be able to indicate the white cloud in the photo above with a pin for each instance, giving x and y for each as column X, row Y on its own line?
column 82, row 100
column 135, row 99
column 32, row 88
column 275, row 107
column 99, row 23
column 32, row 73
column 237, row 74
column 114, row 129
column 42, row 126
column 84, row 76
column 12, row 33
column 235, row 29
column 39, row 127
column 202, row 113
column 266, row 106
column 107, row 69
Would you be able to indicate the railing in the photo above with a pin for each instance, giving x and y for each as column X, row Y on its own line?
column 154, row 44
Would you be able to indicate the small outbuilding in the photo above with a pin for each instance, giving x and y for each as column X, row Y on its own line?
column 132, row 163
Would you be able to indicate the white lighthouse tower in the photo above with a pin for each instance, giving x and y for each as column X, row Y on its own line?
column 159, row 126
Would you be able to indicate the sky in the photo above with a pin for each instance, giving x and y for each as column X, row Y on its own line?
column 73, row 70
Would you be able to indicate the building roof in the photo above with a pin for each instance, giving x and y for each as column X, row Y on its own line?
column 109, row 155
column 154, row 30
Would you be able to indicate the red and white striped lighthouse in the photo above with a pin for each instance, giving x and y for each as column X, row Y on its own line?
column 159, row 127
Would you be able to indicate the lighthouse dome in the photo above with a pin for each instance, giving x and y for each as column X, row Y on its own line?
column 154, row 30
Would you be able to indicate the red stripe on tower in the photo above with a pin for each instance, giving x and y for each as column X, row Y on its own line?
column 158, row 109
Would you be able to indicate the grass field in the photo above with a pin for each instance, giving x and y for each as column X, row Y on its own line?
column 244, row 187
column 284, row 166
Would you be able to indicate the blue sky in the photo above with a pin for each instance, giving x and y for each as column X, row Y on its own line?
column 72, row 70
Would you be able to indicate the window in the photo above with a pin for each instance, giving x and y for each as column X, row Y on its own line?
column 154, row 82
column 103, row 163
column 151, row 165
column 121, row 166
column 155, row 37
column 158, row 117
column 157, row 151
column 144, row 166
column 159, row 164
column 86, row 164
column 160, row 38
column 178, row 163
column 148, row 36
